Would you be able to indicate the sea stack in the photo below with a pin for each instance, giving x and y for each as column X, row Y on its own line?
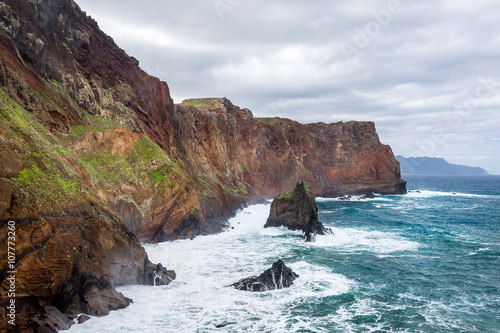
column 279, row 276
column 297, row 210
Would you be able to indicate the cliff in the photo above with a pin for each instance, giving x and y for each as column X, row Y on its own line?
column 95, row 157
column 436, row 166
column 267, row 156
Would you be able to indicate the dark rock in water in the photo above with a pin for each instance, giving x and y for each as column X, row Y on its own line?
column 90, row 295
column 223, row 325
column 297, row 210
column 277, row 277
column 345, row 198
column 370, row 195
column 99, row 295
column 82, row 319
column 160, row 276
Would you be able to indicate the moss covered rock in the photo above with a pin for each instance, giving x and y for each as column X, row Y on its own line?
column 297, row 210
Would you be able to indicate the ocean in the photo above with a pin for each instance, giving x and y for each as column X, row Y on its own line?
column 428, row 261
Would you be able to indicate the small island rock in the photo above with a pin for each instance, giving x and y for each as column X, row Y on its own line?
column 279, row 276
column 297, row 210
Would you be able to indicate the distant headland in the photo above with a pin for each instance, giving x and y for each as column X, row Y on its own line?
column 435, row 166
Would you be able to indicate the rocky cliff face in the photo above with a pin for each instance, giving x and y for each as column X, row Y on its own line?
column 95, row 157
column 268, row 156
column 115, row 120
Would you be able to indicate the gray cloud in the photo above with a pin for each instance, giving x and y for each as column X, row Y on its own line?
column 426, row 72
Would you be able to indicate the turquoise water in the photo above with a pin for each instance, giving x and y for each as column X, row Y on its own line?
column 451, row 284
column 423, row 262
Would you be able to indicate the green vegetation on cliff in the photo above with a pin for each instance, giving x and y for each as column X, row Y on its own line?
column 267, row 121
column 289, row 195
column 202, row 104
column 146, row 161
column 46, row 180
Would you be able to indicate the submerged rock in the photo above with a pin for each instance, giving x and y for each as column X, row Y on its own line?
column 297, row 210
column 279, row 276
column 82, row 318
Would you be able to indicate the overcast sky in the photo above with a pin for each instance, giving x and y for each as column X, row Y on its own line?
column 426, row 72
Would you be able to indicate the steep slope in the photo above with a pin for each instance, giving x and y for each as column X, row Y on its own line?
column 66, row 162
column 63, row 232
column 86, row 90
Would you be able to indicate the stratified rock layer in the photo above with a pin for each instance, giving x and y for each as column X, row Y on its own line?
column 279, row 276
column 297, row 210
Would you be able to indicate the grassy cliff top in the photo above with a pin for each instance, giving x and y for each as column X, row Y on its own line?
column 292, row 193
column 203, row 104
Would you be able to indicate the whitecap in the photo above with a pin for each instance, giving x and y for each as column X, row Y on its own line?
column 479, row 250
column 351, row 239
column 429, row 194
column 348, row 198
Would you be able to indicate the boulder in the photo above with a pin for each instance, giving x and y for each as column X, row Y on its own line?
column 83, row 318
column 369, row 195
column 160, row 276
column 51, row 320
column 91, row 295
column 297, row 210
column 279, row 276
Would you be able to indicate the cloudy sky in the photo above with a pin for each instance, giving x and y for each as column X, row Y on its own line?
column 426, row 72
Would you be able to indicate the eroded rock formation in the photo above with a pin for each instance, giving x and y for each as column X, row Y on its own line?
column 279, row 276
column 297, row 210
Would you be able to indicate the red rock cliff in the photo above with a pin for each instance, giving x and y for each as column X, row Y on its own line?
column 225, row 145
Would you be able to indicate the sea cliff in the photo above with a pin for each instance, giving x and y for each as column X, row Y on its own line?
column 95, row 157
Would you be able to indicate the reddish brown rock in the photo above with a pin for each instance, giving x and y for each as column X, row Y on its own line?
column 228, row 157
column 266, row 157
column 6, row 192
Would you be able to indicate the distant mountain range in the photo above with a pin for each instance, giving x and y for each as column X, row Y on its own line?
column 435, row 166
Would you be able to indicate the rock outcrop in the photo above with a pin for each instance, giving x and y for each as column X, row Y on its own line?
column 297, row 210
column 161, row 276
column 279, row 276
